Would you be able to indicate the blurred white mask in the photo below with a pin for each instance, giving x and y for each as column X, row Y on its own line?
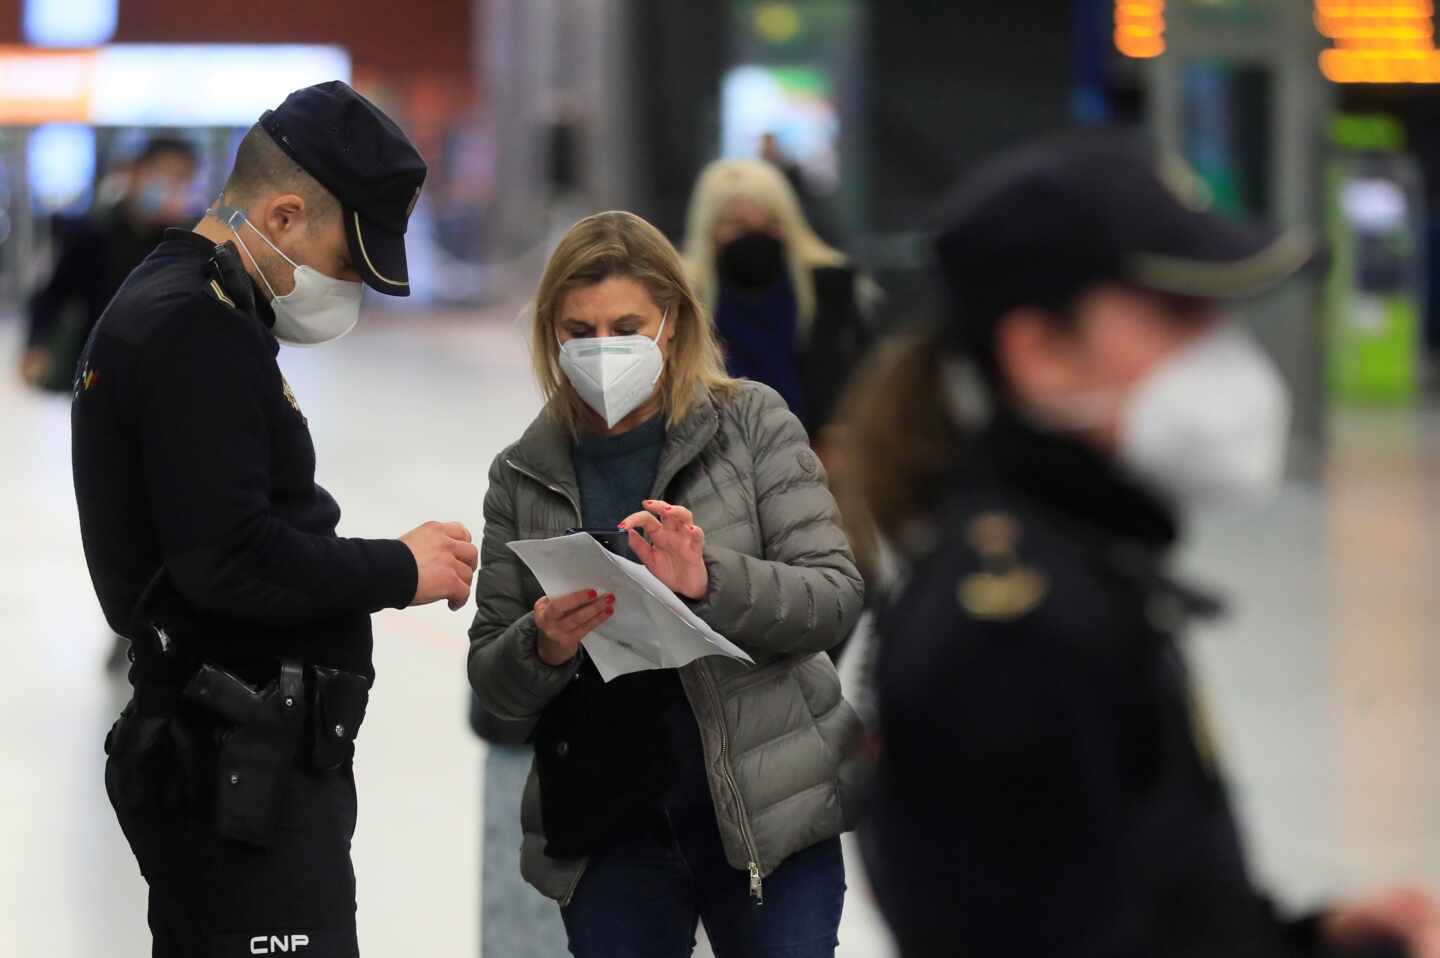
column 1211, row 422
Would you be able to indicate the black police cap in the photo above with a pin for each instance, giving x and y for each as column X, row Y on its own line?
column 1042, row 222
column 361, row 156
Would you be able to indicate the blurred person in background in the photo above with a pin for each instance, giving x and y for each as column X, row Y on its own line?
column 790, row 309
column 98, row 252
column 214, row 551
column 812, row 204
column 715, row 792
column 1048, row 784
column 771, row 153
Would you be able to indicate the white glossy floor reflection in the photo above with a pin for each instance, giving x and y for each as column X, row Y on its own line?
column 1324, row 683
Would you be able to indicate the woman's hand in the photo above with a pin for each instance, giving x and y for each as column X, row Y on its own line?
column 1409, row 915
column 675, row 552
column 565, row 620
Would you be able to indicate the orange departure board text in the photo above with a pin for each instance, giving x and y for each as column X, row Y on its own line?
column 1378, row 41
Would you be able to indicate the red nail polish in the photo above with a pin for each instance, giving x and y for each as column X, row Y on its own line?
column 592, row 593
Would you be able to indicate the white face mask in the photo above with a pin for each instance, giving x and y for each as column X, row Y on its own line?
column 320, row 309
column 1211, row 423
column 615, row 375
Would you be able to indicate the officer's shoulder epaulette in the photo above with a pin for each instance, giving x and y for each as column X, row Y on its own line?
column 218, row 293
column 228, row 283
column 1000, row 585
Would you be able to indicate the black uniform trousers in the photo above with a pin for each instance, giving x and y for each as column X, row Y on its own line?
column 214, row 897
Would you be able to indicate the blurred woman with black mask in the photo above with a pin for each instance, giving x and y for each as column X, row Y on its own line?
column 790, row 309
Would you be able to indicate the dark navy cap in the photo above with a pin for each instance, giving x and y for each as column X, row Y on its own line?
column 1042, row 222
column 361, row 156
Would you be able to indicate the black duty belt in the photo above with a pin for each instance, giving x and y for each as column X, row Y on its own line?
column 304, row 717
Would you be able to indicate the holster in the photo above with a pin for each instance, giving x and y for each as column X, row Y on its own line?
column 258, row 745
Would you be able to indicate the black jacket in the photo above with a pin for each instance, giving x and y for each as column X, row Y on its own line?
column 95, row 255
column 195, row 478
column 1047, row 783
column 838, row 339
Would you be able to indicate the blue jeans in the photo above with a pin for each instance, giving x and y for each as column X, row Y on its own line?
column 642, row 897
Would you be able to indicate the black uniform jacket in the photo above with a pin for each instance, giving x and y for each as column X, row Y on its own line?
column 205, row 533
column 1048, row 784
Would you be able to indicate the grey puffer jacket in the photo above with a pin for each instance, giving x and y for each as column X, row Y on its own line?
column 783, row 586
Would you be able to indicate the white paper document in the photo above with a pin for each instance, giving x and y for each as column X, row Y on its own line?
column 651, row 628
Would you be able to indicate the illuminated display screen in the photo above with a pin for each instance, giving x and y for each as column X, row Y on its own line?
column 795, row 103
column 1374, row 41
column 1379, row 41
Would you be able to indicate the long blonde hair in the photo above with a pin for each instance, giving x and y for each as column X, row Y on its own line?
column 757, row 180
column 618, row 243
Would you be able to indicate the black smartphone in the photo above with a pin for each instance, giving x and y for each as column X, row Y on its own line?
column 614, row 540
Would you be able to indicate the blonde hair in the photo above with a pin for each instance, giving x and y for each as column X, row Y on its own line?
column 757, row 180
column 618, row 243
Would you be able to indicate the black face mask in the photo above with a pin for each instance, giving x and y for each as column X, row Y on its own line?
column 751, row 261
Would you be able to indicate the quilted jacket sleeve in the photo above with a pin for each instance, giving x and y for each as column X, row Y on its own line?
column 805, row 594
column 506, row 672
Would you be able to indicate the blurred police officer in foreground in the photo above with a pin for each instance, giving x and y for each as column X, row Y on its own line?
column 214, row 551
column 1047, row 785
column 98, row 251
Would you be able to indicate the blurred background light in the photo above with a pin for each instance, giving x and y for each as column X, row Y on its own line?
column 777, row 22
column 1140, row 28
column 159, row 85
column 60, row 166
column 1374, row 204
column 205, row 84
column 69, row 23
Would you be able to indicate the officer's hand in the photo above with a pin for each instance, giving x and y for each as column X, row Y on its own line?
column 1409, row 915
column 446, row 558
column 35, row 366
column 564, row 620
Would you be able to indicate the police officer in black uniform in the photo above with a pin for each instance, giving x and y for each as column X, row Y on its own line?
column 1047, row 784
column 213, row 550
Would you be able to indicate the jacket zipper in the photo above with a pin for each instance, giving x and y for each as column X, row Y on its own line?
column 757, row 887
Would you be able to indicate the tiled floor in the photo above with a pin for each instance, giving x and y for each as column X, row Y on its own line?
column 1324, row 683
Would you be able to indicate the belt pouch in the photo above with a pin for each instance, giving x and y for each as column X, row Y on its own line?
column 340, row 701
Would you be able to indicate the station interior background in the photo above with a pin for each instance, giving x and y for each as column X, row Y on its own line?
column 532, row 113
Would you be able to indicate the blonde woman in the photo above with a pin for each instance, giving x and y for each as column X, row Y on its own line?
column 671, row 796
column 788, row 307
